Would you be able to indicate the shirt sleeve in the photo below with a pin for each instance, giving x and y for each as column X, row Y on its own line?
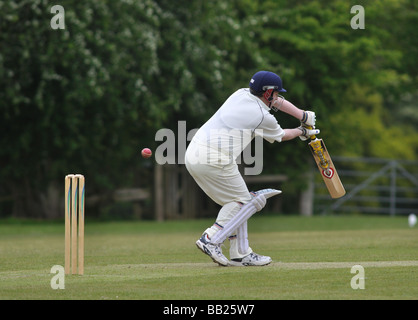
column 269, row 129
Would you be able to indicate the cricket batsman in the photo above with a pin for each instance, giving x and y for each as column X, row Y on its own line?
column 211, row 160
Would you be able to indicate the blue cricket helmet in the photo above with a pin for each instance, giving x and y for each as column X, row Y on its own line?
column 264, row 80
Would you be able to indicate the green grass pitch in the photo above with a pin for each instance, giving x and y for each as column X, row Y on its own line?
column 312, row 259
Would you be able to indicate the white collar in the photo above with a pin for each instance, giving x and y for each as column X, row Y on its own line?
column 255, row 98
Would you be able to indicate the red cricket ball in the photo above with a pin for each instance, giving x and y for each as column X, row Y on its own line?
column 146, row 153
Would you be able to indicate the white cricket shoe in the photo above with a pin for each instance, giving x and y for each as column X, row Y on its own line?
column 212, row 250
column 253, row 259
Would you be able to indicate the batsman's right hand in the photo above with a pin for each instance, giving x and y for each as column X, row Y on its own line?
column 308, row 132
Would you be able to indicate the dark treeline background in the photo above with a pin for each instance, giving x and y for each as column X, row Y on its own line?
column 88, row 98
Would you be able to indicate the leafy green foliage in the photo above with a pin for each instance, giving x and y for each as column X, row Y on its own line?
column 86, row 98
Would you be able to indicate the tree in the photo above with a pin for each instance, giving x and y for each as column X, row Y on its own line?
column 85, row 98
column 76, row 99
column 338, row 71
column 88, row 97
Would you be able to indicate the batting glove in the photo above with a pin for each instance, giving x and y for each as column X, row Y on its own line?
column 307, row 133
column 308, row 118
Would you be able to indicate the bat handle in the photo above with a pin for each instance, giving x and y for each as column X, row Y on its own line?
column 310, row 128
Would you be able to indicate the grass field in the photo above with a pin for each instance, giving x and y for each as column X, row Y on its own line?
column 312, row 259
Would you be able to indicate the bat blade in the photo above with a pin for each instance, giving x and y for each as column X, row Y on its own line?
column 326, row 168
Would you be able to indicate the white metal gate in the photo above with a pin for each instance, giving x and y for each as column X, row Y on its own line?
column 373, row 185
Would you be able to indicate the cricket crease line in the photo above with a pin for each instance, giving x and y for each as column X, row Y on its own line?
column 279, row 265
column 288, row 265
column 339, row 265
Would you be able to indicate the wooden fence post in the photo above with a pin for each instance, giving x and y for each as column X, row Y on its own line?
column 159, row 192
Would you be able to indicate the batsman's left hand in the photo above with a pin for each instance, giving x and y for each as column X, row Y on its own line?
column 308, row 118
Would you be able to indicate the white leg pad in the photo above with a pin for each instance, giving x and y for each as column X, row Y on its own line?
column 238, row 244
column 268, row 193
column 242, row 238
column 256, row 204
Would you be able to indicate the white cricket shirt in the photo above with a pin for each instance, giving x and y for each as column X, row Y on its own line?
column 234, row 125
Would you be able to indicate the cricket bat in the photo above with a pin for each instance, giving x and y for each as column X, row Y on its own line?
column 326, row 168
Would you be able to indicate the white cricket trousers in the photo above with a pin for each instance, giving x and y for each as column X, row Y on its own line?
column 219, row 177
